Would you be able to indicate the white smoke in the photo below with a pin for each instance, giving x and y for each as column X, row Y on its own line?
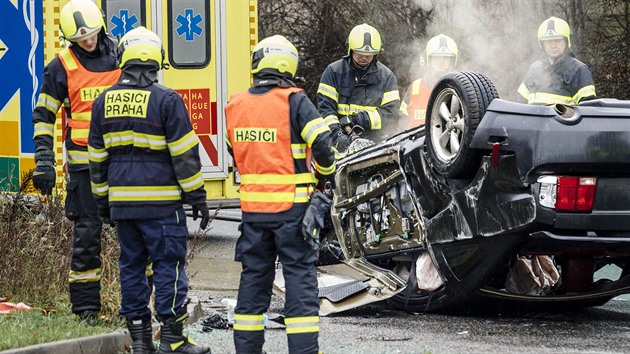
column 495, row 37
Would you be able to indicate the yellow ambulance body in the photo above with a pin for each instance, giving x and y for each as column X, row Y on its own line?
column 207, row 43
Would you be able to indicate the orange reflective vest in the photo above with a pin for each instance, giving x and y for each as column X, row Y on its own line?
column 83, row 88
column 259, row 132
column 418, row 100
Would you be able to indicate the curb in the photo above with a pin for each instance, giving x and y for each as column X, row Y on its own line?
column 115, row 342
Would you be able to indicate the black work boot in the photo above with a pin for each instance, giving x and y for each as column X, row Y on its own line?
column 89, row 317
column 141, row 335
column 172, row 339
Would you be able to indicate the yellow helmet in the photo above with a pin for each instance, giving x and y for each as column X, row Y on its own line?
column 364, row 39
column 141, row 45
column 441, row 46
column 554, row 28
column 79, row 19
column 277, row 53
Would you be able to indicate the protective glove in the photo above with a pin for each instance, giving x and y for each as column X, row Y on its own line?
column 201, row 209
column 103, row 215
column 324, row 181
column 348, row 121
column 44, row 175
column 340, row 140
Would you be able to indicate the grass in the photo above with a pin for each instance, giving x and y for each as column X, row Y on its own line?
column 24, row 328
column 36, row 241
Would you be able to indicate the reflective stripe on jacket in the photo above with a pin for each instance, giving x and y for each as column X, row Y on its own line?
column 371, row 94
column 566, row 81
column 84, row 87
column 263, row 151
column 415, row 106
column 144, row 153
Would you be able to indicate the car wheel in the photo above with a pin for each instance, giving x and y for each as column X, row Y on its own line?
column 457, row 104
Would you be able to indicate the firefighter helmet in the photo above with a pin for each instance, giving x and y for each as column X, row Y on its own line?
column 441, row 46
column 80, row 19
column 142, row 46
column 275, row 53
column 364, row 39
column 554, row 28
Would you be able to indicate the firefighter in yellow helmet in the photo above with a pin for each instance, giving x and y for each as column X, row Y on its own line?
column 77, row 74
column 559, row 77
column 272, row 148
column 142, row 185
column 359, row 91
column 441, row 57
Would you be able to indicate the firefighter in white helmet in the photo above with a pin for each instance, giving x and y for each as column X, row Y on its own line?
column 441, row 57
column 559, row 77
column 358, row 90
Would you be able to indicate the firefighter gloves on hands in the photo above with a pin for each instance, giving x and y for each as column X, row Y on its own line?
column 44, row 176
column 103, row 215
column 201, row 209
column 322, row 180
column 313, row 221
column 341, row 141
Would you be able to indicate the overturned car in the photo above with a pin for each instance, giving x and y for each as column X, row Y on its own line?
column 492, row 202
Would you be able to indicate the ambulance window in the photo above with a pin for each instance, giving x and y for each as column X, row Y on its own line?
column 124, row 15
column 189, row 37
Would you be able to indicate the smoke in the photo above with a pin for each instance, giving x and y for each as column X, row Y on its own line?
column 495, row 37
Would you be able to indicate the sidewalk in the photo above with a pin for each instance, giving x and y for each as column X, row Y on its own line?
column 108, row 343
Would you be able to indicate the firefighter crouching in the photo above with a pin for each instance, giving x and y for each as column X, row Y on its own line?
column 272, row 130
column 79, row 73
column 144, row 163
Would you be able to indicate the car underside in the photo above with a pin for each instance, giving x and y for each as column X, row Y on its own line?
column 492, row 203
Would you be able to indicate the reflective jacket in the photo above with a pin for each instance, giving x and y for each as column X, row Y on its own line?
column 566, row 81
column 414, row 104
column 144, row 154
column 371, row 93
column 272, row 150
column 76, row 76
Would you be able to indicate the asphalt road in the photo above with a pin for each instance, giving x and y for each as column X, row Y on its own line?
column 377, row 329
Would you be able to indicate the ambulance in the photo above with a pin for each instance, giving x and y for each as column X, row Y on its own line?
column 208, row 45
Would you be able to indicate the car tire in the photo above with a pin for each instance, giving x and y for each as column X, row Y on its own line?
column 456, row 106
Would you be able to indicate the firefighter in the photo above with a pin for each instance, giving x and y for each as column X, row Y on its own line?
column 77, row 75
column 559, row 77
column 359, row 91
column 271, row 149
column 144, row 163
column 441, row 57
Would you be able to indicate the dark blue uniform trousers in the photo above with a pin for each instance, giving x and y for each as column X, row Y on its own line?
column 163, row 241
column 256, row 249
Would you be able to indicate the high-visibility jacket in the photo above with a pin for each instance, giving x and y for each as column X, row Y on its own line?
column 272, row 157
column 414, row 104
column 144, row 153
column 566, row 81
column 84, row 87
column 371, row 94
column 54, row 94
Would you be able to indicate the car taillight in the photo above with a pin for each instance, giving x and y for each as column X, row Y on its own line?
column 565, row 193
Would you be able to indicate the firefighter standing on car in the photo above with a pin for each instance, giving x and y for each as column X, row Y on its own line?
column 272, row 131
column 144, row 163
column 559, row 78
column 359, row 91
column 77, row 75
column 441, row 57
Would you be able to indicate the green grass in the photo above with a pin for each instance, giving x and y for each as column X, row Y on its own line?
column 24, row 328
column 36, row 241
